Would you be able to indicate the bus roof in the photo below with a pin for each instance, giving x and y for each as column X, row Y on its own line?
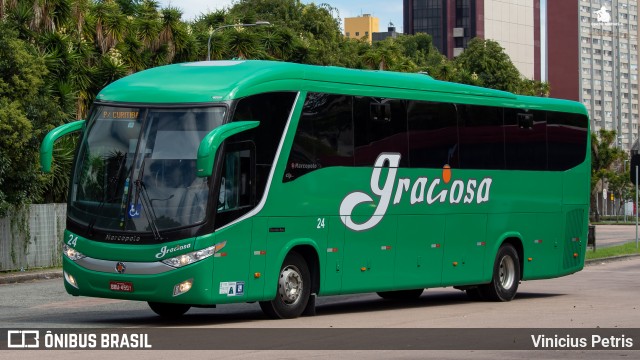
column 215, row 81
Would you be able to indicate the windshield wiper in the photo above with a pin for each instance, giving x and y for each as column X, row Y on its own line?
column 150, row 214
column 112, row 180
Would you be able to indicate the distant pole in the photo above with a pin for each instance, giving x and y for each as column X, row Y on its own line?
column 636, row 207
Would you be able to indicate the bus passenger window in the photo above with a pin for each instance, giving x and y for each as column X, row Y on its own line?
column 433, row 134
column 380, row 126
column 566, row 140
column 324, row 136
column 525, row 139
column 481, row 137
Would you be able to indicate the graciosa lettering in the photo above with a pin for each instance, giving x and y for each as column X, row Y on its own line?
column 434, row 192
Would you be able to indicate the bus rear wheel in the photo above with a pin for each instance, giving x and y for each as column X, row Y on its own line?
column 506, row 276
column 401, row 294
column 169, row 311
column 294, row 289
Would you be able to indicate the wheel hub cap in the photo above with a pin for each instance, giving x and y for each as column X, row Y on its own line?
column 290, row 285
column 506, row 272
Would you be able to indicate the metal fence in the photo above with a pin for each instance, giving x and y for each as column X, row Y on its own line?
column 44, row 223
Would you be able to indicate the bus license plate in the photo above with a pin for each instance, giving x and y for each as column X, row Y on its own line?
column 124, row 286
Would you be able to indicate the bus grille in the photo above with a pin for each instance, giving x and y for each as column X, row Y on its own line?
column 573, row 238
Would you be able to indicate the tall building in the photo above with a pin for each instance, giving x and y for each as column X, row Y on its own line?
column 452, row 23
column 586, row 49
column 608, row 65
column 605, row 59
column 361, row 26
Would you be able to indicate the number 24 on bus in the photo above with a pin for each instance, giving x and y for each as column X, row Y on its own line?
column 237, row 181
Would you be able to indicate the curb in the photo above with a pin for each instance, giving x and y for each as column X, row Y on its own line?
column 23, row 276
column 592, row 262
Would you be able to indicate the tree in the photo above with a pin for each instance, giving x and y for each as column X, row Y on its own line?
column 605, row 157
column 28, row 109
column 619, row 184
column 494, row 69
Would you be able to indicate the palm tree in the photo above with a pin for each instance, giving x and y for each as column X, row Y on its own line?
column 172, row 32
column 148, row 28
column 244, row 44
column 272, row 43
column 110, row 25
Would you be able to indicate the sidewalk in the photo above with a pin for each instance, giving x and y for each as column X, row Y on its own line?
column 29, row 275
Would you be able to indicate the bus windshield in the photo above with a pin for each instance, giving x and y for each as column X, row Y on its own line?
column 136, row 169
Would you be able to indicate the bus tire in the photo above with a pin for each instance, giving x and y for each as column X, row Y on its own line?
column 506, row 276
column 294, row 289
column 169, row 311
column 401, row 294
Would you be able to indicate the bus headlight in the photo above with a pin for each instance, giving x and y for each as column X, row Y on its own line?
column 71, row 253
column 190, row 258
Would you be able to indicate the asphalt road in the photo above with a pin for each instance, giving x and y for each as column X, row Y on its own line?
column 611, row 235
column 601, row 296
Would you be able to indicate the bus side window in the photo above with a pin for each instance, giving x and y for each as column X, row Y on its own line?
column 525, row 139
column 235, row 183
column 566, row 139
column 481, row 137
column 433, row 134
column 380, row 125
column 324, row 136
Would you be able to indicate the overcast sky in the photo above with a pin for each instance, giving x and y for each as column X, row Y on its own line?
column 385, row 10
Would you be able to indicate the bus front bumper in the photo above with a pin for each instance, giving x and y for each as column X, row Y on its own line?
column 191, row 284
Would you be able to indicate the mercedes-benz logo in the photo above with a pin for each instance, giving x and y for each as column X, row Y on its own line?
column 120, row 267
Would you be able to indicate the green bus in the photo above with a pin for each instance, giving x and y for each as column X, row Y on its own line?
column 219, row 182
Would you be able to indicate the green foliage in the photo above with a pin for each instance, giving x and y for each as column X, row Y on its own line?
column 606, row 162
column 493, row 68
column 26, row 109
column 55, row 56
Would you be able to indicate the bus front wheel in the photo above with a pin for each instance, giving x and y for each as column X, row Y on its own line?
column 169, row 311
column 506, row 276
column 294, row 289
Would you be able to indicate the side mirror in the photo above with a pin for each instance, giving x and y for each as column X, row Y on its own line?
column 46, row 148
column 210, row 144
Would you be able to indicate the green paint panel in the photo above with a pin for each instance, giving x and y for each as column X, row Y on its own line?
column 331, row 282
column 127, row 252
column 370, row 257
column 419, row 251
column 232, row 266
column 464, row 249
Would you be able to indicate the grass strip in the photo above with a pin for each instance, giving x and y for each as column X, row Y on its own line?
column 626, row 249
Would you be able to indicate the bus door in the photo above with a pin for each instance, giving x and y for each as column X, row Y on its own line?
column 235, row 197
